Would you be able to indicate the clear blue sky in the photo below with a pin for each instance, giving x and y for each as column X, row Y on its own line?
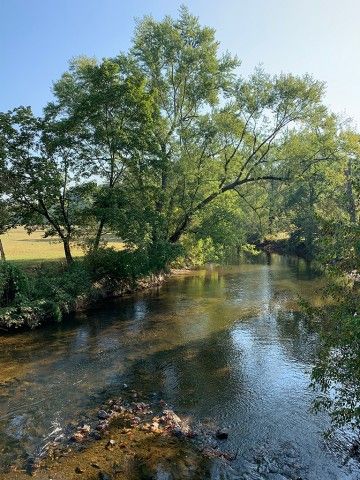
column 322, row 37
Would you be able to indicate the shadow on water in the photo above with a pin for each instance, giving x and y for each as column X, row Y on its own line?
column 226, row 346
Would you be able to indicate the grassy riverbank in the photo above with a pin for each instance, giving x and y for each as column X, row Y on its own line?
column 34, row 294
column 27, row 249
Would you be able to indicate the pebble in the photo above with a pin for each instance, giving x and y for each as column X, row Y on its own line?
column 77, row 437
column 102, row 415
column 85, row 429
column 222, row 434
column 110, row 444
column 104, row 476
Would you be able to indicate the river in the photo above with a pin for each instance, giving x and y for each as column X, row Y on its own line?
column 225, row 345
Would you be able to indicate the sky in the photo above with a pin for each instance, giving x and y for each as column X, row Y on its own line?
column 320, row 37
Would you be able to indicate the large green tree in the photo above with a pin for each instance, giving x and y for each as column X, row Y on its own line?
column 215, row 132
column 110, row 109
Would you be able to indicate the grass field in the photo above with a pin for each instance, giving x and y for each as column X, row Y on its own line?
column 20, row 246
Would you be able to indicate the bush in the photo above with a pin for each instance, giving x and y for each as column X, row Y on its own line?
column 14, row 284
column 116, row 265
column 62, row 286
column 129, row 264
column 161, row 254
column 29, row 314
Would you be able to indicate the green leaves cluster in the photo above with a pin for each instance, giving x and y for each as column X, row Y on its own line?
column 141, row 144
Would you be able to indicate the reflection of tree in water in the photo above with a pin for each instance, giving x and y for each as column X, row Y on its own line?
column 297, row 336
column 195, row 373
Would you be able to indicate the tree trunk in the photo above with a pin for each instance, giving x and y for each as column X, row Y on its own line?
column 175, row 237
column 98, row 234
column 2, row 253
column 310, row 227
column 67, row 250
column 351, row 207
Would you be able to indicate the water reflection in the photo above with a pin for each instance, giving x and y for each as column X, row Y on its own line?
column 226, row 346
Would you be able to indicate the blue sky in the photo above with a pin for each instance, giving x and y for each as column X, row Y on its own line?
column 322, row 37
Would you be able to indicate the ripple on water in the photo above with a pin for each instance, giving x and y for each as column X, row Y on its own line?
column 228, row 345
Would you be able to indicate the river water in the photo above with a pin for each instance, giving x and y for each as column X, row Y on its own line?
column 226, row 346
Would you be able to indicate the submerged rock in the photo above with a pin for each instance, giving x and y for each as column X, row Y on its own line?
column 104, row 476
column 222, row 433
column 102, row 415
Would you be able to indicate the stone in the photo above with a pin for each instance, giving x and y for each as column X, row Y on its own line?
column 104, row 476
column 222, row 433
column 85, row 429
column 102, row 415
column 78, row 437
column 110, row 444
column 103, row 425
column 79, row 470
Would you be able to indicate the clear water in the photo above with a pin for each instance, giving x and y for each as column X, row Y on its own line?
column 226, row 346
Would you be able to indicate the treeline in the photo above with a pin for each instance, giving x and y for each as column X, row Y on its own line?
column 170, row 149
column 168, row 144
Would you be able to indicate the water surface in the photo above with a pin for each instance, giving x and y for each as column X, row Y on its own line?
column 226, row 346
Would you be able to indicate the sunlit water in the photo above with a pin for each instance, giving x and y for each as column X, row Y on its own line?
column 226, row 346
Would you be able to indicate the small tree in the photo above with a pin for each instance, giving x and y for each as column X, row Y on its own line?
column 44, row 187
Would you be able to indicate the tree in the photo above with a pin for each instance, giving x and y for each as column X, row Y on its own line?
column 6, row 218
column 349, row 142
column 45, row 188
column 111, row 109
column 336, row 372
column 5, row 224
column 215, row 133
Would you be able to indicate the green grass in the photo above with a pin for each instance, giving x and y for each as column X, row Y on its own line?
column 28, row 250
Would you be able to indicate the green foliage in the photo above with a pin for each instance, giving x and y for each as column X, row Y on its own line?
column 61, row 286
column 107, row 263
column 337, row 367
column 198, row 251
column 14, row 285
column 30, row 314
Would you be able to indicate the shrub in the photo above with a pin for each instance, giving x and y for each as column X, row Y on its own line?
column 13, row 284
column 62, row 286
column 116, row 265
column 129, row 264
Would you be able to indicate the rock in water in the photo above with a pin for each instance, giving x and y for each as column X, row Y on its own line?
column 102, row 415
column 104, row 476
column 222, row 433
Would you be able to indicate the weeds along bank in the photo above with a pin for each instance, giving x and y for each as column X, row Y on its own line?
column 30, row 298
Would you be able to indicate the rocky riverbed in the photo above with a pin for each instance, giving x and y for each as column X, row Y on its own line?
column 127, row 438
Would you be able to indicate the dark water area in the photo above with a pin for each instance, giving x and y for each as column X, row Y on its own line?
column 226, row 346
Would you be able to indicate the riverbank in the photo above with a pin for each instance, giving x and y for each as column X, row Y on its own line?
column 22, row 317
column 282, row 247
